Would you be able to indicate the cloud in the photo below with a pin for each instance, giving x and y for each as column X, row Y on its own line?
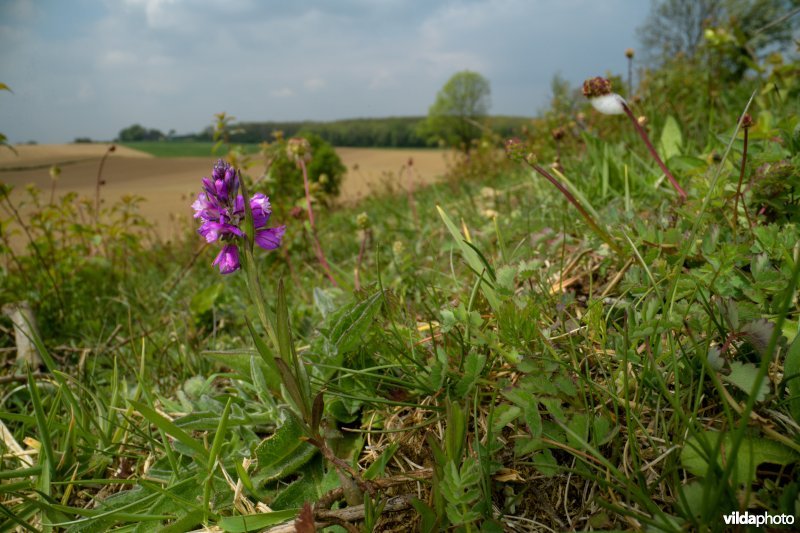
column 283, row 92
column 91, row 68
column 314, row 84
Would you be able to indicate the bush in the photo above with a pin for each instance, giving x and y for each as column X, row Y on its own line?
column 325, row 171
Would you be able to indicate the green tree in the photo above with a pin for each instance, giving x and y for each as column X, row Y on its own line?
column 137, row 132
column 736, row 32
column 459, row 108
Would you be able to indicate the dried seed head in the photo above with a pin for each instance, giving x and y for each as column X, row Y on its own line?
column 642, row 120
column 598, row 86
column 362, row 221
column 558, row 133
column 298, row 149
column 629, row 53
column 747, row 121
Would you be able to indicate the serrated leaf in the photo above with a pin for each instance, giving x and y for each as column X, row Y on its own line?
column 753, row 451
column 758, row 334
column 503, row 415
column 473, row 367
column 743, row 376
column 282, row 453
column 505, row 279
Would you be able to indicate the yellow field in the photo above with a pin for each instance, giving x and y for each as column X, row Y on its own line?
column 168, row 183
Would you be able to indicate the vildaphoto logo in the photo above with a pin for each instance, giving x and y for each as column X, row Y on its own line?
column 757, row 519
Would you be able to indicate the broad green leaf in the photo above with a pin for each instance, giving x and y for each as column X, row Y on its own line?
column 256, row 522
column 671, row 138
column 530, row 409
column 283, row 453
column 743, row 376
column 753, row 451
column 351, row 324
column 312, row 483
column 791, row 370
column 204, row 300
column 471, row 257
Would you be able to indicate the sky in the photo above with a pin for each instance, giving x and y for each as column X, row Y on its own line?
column 89, row 68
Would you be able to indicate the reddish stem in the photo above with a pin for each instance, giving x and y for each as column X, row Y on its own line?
column 589, row 220
column 317, row 246
column 646, row 139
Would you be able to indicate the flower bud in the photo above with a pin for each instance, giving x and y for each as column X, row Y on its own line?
column 642, row 120
column 362, row 221
column 55, row 172
column 629, row 53
column 558, row 133
column 747, row 121
column 515, row 149
column 323, row 179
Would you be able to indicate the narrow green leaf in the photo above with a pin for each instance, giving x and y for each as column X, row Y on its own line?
column 272, row 377
column 255, row 522
column 471, row 257
column 170, row 428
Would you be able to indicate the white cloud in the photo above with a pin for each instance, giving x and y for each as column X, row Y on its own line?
column 283, row 92
column 314, row 84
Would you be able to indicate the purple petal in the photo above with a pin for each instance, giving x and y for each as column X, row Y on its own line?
column 270, row 238
column 227, row 259
column 212, row 231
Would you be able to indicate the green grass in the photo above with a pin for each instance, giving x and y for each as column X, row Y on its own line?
column 181, row 148
column 528, row 374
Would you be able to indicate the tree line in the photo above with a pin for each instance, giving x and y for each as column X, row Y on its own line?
column 389, row 132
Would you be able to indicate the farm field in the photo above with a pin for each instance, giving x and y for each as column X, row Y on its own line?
column 165, row 183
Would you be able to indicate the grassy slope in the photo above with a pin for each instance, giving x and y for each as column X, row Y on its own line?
column 576, row 388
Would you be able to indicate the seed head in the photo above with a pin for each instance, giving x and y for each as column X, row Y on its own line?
column 298, row 149
column 594, row 87
column 362, row 221
column 558, row 133
column 642, row 120
column 629, row 53
column 747, row 121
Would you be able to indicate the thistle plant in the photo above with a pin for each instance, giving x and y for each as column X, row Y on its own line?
column 598, row 91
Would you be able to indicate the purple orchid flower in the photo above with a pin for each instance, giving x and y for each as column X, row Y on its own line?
column 221, row 211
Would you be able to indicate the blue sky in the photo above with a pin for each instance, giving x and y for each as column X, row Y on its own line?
column 93, row 67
